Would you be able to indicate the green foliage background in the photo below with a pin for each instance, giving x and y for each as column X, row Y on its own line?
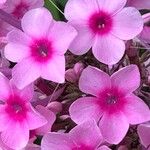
column 56, row 14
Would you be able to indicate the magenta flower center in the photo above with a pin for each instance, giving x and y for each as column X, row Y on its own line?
column 20, row 10
column 41, row 50
column 112, row 100
column 16, row 108
column 100, row 23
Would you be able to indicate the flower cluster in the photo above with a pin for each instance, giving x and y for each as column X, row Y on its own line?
column 74, row 80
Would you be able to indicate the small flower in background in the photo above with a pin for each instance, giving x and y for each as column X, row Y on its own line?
column 114, row 105
column 17, row 114
column 86, row 136
column 144, row 134
column 102, row 25
column 39, row 50
column 19, row 7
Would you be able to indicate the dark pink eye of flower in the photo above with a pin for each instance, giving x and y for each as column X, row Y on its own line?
column 20, row 10
column 16, row 108
column 100, row 23
column 41, row 50
column 112, row 100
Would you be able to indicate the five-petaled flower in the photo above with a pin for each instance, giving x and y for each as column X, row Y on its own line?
column 86, row 136
column 17, row 117
column 39, row 50
column 113, row 104
column 102, row 25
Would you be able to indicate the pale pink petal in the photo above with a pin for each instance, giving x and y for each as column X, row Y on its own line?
column 36, row 22
column 77, row 9
column 84, row 109
column 126, row 79
column 18, row 37
column 144, row 134
column 144, row 35
column 144, row 4
column 5, row 90
column 26, row 93
column 122, row 26
column 136, row 110
column 93, row 81
column 4, row 118
column 114, row 127
column 16, row 52
column 35, row 119
column 16, row 136
column 87, row 133
column 83, row 41
column 25, row 73
column 63, row 37
column 54, row 70
column 103, row 148
column 108, row 49
column 50, row 117
column 56, row 141
column 111, row 6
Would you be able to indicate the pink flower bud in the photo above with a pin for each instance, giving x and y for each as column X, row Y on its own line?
column 78, row 68
column 55, row 107
column 70, row 75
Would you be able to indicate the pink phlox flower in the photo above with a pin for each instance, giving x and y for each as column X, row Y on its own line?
column 39, row 50
column 86, row 136
column 17, row 117
column 112, row 102
column 102, row 25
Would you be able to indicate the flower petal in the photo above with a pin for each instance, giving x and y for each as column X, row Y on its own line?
column 77, row 10
column 36, row 22
column 93, row 81
column 114, row 127
column 54, row 70
column 111, row 6
column 136, row 110
column 16, row 136
column 144, row 4
column 63, row 37
column 83, row 41
column 87, row 133
column 108, row 49
column 25, row 72
column 104, row 148
column 123, row 79
column 16, row 52
column 5, row 90
column 18, row 37
column 50, row 117
column 122, row 26
column 84, row 109
column 35, row 119
column 144, row 134
column 56, row 141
